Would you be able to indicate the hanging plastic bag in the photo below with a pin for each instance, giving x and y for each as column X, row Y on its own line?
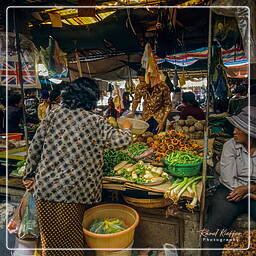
column 14, row 224
column 182, row 79
column 29, row 225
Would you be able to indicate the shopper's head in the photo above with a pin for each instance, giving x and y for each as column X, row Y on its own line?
column 188, row 98
column 15, row 100
column 81, row 93
column 241, row 90
column 55, row 96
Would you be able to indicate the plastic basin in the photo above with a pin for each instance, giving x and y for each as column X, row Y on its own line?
column 108, row 241
column 138, row 126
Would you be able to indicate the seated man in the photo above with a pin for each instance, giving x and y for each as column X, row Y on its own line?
column 231, row 197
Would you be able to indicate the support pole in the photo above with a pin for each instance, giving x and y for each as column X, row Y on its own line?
column 206, row 133
column 78, row 63
column 21, row 78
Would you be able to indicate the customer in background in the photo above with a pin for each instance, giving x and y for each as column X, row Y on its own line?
column 14, row 113
column 54, row 100
column 251, row 97
column 235, row 104
column 65, row 162
column 111, row 110
column 41, row 111
column 191, row 107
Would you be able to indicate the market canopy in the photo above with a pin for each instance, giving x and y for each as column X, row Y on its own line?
column 119, row 32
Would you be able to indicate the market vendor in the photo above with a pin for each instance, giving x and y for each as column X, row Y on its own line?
column 191, row 107
column 231, row 197
column 64, row 165
column 157, row 103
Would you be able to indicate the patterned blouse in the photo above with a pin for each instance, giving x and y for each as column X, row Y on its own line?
column 66, row 155
column 157, row 100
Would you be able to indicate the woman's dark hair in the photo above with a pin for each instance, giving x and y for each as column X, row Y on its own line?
column 14, row 99
column 189, row 98
column 81, row 93
column 54, row 94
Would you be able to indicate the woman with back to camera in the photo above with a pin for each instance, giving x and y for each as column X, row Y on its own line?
column 64, row 165
column 54, row 100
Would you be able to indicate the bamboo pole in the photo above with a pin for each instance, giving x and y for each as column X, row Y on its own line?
column 21, row 79
column 78, row 63
column 206, row 133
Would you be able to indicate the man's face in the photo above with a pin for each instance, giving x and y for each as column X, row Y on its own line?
column 240, row 136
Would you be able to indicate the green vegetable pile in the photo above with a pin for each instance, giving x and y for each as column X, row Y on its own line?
column 181, row 157
column 112, row 158
column 137, row 149
column 107, row 226
column 180, row 186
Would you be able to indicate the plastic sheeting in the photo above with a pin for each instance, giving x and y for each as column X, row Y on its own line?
column 241, row 15
column 9, row 70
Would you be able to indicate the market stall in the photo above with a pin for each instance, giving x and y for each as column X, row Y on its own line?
column 163, row 175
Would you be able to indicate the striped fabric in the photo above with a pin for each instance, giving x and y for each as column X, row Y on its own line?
column 232, row 57
column 60, row 226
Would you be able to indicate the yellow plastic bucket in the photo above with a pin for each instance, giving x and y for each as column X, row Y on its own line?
column 121, row 239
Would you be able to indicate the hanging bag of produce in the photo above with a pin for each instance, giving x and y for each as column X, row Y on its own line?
column 182, row 79
column 15, row 222
column 29, row 225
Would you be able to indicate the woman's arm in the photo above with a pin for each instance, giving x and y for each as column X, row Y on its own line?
column 35, row 150
column 114, row 138
column 228, row 168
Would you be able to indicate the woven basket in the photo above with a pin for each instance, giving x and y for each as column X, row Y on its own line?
column 147, row 203
column 184, row 170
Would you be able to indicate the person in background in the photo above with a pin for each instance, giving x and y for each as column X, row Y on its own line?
column 64, row 165
column 231, row 198
column 235, row 104
column 41, row 111
column 251, row 97
column 126, row 103
column 14, row 113
column 157, row 103
column 54, row 100
column 111, row 110
column 191, row 107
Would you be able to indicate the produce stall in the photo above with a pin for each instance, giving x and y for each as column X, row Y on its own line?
column 158, row 175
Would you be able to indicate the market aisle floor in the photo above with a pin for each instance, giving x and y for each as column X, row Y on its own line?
column 3, row 250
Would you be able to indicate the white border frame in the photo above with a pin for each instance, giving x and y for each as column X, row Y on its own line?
column 133, row 7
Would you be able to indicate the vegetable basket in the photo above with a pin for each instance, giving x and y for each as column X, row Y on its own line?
column 183, row 170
